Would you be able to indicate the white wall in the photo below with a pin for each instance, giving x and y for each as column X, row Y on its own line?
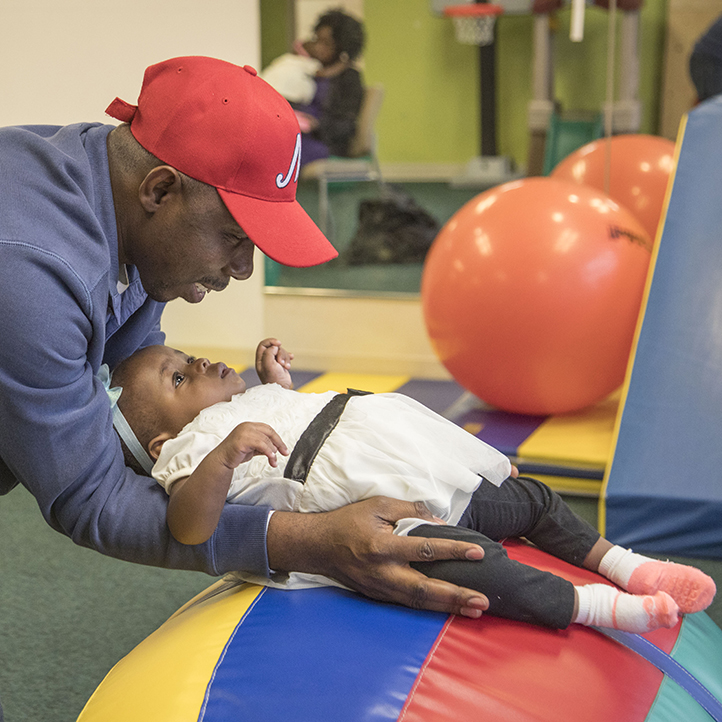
column 63, row 61
column 354, row 334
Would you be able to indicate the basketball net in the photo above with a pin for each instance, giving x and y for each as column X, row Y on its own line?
column 474, row 24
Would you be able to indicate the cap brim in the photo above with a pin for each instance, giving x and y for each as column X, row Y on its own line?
column 282, row 230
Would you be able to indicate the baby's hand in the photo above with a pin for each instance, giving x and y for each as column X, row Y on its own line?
column 273, row 363
column 247, row 440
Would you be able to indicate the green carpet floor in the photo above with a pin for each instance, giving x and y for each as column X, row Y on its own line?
column 69, row 614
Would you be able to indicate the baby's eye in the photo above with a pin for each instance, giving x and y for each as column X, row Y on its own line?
column 177, row 379
column 191, row 359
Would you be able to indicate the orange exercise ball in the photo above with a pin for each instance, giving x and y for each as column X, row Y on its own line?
column 640, row 167
column 531, row 293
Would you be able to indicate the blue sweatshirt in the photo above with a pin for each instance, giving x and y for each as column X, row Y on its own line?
column 61, row 317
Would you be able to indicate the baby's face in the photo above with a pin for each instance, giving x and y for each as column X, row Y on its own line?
column 180, row 386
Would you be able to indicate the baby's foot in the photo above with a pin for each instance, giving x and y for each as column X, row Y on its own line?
column 604, row 606
column 660, row 609
column 692, row 589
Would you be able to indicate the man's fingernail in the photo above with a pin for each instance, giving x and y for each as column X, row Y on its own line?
column 472, row 613
column 475, row 553
column 478, row 603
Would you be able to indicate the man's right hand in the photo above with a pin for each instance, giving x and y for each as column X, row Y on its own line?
column 356, row 546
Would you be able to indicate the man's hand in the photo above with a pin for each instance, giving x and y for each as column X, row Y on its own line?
column 356, row 546
column 273, row 363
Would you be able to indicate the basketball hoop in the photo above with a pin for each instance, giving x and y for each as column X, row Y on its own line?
column 474, row 23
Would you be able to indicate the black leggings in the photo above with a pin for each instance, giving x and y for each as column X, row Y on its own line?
column 522, row 507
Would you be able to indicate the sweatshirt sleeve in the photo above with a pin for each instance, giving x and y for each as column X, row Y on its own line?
column 155, row 337
column 57, row 437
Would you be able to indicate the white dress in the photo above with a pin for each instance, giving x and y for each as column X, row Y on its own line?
column 383, row 445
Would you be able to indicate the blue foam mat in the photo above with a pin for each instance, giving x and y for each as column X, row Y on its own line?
column 663, row 491
column 308, row 663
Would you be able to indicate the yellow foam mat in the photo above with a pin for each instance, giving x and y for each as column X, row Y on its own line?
column 584, row 437
column 571, row 485
column 339, row 382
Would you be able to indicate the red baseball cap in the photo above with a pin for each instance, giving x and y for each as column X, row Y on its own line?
column 224, row 126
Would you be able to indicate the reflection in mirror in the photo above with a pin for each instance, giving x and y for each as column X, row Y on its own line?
column 381, row 231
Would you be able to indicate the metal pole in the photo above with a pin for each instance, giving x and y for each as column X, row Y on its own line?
column 487, row 96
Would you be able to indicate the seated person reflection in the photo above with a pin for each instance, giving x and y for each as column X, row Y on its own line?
column 323, row 85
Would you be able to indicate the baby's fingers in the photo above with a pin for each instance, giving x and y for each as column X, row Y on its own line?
column 277, row 441
column 268, row 345
column 284, row 357
column 269, row 443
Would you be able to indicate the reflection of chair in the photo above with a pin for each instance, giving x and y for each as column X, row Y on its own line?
column 567, row 133
column 363, row 164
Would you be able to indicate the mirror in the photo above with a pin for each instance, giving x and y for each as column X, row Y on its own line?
column 415, row 109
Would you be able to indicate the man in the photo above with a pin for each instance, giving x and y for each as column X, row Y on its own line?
column 705, row 62
column 99, row 227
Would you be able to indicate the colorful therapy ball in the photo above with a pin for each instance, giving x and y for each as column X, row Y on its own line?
column 639, row 170
column 531, row 293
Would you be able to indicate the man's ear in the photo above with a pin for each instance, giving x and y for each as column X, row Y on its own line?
column 159, row 186
column 156, row 444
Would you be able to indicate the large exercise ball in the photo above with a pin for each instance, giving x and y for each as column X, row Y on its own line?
column 639, row 170
column 531, row 293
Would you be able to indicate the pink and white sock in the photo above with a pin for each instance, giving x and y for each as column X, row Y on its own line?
column 604, row 606
column 692, row 589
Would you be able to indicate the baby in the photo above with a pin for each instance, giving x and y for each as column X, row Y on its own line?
column 292, row 75
column 208, row 441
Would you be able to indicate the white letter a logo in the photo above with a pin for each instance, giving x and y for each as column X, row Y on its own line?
column 282, row 182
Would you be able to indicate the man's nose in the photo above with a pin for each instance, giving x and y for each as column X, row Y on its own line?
column 240, row 265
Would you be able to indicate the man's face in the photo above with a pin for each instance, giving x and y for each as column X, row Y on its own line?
column 191, row 246
column 179, row 386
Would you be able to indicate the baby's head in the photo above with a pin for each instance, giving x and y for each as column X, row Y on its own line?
column 165, row 389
